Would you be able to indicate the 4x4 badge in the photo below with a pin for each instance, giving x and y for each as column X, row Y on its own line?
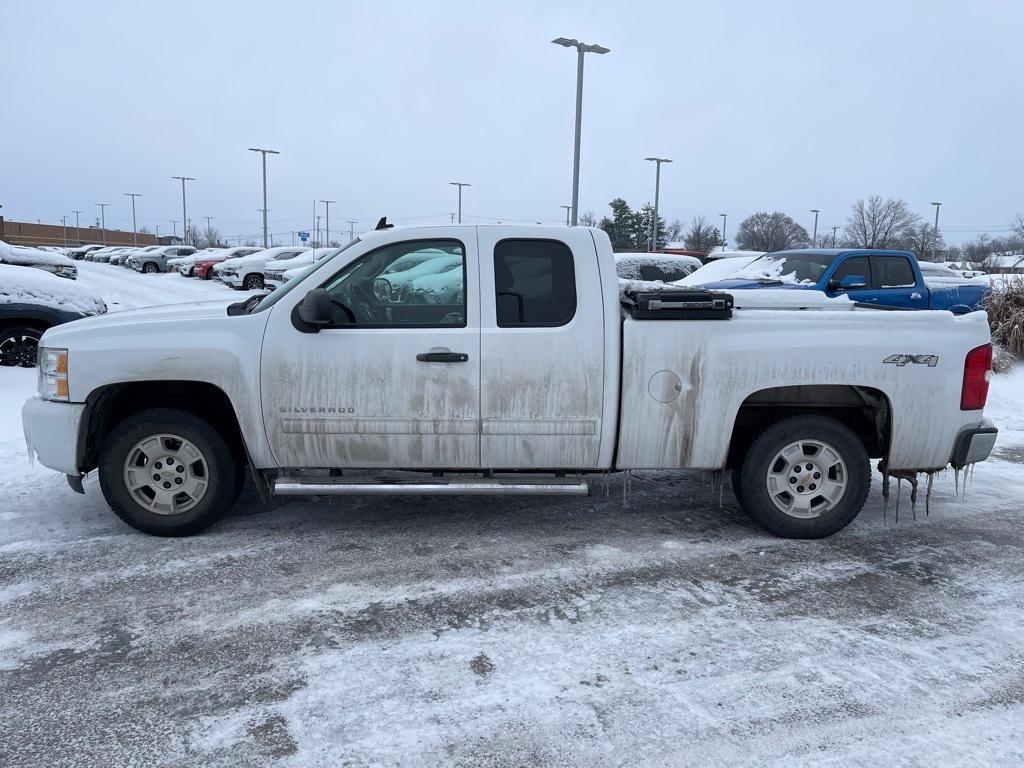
column 901, row 360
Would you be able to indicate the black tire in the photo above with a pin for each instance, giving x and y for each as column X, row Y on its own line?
column 253, row 283
column 223, row 472
column 19, row 346
column 150, row 267
column 737, row 487
column 757, row 501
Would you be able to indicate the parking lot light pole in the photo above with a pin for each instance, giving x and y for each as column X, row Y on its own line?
column 103, row 221
column 264, row 153
column 657, row 190
column 581, row 49
column 724, row 218
column 184, row 213
column 814, row 237
column 460, row 185
column 78, row 230
column 351, row 231
column 135, row 231
column 568, row 209
column 327, row 222
column 935, row 233
column 64, row 223
column 834, row 229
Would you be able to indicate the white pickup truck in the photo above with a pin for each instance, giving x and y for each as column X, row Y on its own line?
column 517, row 371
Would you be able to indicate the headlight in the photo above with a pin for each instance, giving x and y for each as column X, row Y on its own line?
column 53, row 374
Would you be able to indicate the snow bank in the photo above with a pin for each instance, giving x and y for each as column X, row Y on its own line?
column 23, row 285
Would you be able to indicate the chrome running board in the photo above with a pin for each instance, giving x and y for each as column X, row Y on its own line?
column 341, row 486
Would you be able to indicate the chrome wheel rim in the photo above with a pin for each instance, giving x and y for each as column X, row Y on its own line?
column 806, row 479
column 166, row 474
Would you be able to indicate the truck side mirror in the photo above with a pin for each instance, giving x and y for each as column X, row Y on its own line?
column 315, row 308
column 848, row 283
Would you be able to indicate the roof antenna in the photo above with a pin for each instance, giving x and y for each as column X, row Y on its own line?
column 383, row 223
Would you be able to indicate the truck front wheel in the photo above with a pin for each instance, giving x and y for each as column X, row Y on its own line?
column 805, row 477
column 168, row 473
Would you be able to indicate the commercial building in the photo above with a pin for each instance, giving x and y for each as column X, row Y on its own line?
column 33, row 234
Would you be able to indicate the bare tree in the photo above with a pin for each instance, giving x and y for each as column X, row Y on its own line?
column 193, row 236
column 878, row 223
column 1017, row 225
column 924, row 240
column 701, row 236
column 774, row 231
column 211, row 237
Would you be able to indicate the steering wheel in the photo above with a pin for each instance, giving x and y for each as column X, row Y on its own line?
column 348, row 312
column 365, row 299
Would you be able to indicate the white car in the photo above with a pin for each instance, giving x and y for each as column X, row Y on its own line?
column 664, row 267
column 55, row 263
column 246, row 272
column 203, row 266
column 183, row 265
column 276, row 272
column 530, row 379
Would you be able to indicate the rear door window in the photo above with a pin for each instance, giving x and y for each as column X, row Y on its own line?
column 894, row 272
column 534, row 283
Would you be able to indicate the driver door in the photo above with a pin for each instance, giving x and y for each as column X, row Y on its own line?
column 394, row 381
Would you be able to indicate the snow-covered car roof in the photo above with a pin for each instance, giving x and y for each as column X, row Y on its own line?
column 655, row 266
column 265, row 255
column 720, row 269
column 19, row 254
column 749, row 255
column 32, row 286
column 303, row 259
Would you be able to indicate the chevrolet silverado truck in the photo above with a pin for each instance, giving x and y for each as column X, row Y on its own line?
column 518, row 371
column 890, row 279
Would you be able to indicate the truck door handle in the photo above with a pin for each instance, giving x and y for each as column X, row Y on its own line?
column 442, row 357
column 915, row 296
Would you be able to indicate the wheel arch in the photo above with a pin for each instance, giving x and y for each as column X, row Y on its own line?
column 108, row 406
column 867, row 411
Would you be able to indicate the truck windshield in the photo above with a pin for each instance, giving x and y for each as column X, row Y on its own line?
column 791, row 268
column 278, row 293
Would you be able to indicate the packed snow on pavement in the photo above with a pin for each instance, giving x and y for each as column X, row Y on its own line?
column 648, row 623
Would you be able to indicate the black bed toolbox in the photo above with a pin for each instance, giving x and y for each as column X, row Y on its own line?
column 685, row 304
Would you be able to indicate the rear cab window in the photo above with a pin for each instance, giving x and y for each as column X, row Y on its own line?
column 534, row 283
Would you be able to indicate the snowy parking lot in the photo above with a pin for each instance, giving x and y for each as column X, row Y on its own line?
column 650, row 622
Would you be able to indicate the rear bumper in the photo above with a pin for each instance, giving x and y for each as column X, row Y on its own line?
column 51, row 431
column 974, row 445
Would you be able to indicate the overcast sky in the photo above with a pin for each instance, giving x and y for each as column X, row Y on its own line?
column 762, row 105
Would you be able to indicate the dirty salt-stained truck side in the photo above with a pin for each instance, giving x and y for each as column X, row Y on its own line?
column 497, row 359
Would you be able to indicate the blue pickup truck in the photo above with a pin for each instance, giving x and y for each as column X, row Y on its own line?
column 885, row 278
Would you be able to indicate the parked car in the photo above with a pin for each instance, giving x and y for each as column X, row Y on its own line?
column 885, row 278
column 103, row 255
column 183, row 265
column 274, row 274
column 529, row 380
column 49, row 261
column 203, row 268
column 79, row 253
column 155, row 260
column 125, row 260
column 246, row 272
column 32, row 301
column 662, row 267
column 394, row 282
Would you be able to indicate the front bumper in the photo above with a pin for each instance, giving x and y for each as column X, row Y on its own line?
column 273, row 280
column 974, row 445
column 235, row 281
column 51, row 432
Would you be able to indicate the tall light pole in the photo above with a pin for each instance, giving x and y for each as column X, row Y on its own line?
column 460, row 185
column 78, row 231
column 264, row 153
column 351, row 231
column 834, row 230
column 581, row 49
column 158, row 234
column 135, row 232
column 64, row 223
column 184, row 213
column 725, row 242
column 568, row 209
column 657, row 191
column 935, row 234
column 103, row 221
column 209, row 228
column 814, row 237
column 327, row 222
column 174, row 229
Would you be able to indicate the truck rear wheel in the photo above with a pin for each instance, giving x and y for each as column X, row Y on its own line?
column 168, row 473
column 805, row 477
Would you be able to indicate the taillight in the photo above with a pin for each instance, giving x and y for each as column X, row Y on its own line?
column 977, row 371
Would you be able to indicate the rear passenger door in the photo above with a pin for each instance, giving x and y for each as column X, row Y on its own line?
column 895, row 283
column 542, row 350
